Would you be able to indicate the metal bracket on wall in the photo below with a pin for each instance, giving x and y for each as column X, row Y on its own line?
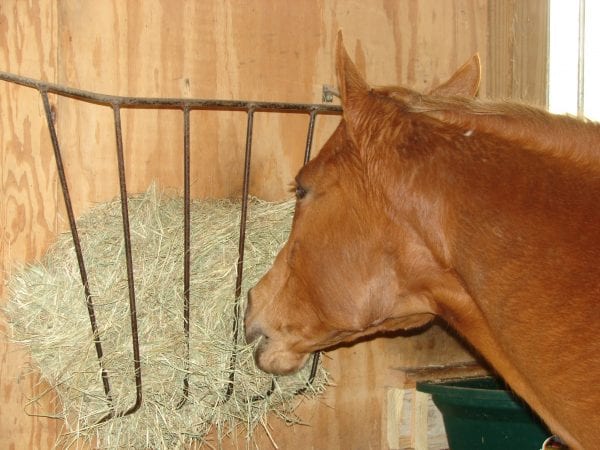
column 328, row 93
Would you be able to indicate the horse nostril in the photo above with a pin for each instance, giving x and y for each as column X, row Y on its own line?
column 253, row 334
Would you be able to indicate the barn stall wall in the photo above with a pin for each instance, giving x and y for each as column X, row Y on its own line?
column 260, row 50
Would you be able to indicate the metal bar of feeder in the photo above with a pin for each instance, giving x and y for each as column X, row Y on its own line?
column 309, row 135
column 116, row 103
column 169, row 103
column 77, row 245
column 130, row 279
column 313, row 373
column 244, row 212
column 241, row 246
column 186, row 253
column 129, row 261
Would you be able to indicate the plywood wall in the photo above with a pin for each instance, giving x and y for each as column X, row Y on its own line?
column 232, row 49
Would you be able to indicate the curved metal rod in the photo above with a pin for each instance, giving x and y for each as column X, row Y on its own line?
column 77, row 245
column 130, row 277
column 168, row 103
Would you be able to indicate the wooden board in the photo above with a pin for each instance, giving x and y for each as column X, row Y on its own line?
column 518, row 51
column 233, row 49
column 27, row 204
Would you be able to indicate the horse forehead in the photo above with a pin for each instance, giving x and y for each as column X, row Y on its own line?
column 329, row 161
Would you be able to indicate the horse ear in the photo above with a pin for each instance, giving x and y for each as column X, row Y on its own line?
column 464, row 82
column 351, row 84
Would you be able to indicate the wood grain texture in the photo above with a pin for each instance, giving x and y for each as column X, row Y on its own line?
column 27, row 206
column 233, row 49
column 518, row 51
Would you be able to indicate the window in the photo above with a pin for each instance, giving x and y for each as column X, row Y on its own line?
column 574, row 66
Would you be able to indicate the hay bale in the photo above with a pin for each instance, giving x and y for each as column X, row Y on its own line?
column 48, row 314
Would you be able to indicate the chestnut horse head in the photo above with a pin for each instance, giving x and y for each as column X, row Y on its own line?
column 424, row 205
column 339, row 276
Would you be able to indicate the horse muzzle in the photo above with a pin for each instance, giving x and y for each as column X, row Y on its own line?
column 272, row 356
column 274, row 352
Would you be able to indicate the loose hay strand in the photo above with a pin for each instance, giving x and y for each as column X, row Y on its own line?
column 48, row 314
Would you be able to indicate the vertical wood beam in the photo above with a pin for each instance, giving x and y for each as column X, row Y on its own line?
column 518, row 51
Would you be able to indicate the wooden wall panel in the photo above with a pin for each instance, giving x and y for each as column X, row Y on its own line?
column 233, row 49
column 27, row 204
column 518, row 51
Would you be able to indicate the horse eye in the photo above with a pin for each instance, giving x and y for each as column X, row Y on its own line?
column 300, row 192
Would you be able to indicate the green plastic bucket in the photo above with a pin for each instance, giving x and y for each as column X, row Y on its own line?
column 480, row 414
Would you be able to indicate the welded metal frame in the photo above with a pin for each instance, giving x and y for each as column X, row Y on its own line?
column 116, row 103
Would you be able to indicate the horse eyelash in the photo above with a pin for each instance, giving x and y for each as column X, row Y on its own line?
column 299, row 191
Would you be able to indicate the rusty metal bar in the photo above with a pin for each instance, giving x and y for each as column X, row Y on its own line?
column 245, row 194
column 313, row 373
column 169, row 103
column 130, row 278
column 309, row 135
column 186, row 252
column 129, row 261
column 241, row 246
column 77, row 245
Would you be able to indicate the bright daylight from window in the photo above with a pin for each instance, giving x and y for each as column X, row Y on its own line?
column 574, row 68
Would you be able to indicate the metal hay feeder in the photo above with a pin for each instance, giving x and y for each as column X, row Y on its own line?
column 185, row 105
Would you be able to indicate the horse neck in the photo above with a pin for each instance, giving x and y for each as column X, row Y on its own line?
column 563, row 136
column 479, row 185
column 505, row 220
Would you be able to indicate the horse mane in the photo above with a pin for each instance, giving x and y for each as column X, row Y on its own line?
column 562, row 135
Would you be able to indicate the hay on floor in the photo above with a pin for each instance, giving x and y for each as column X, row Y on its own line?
column 48, row 314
